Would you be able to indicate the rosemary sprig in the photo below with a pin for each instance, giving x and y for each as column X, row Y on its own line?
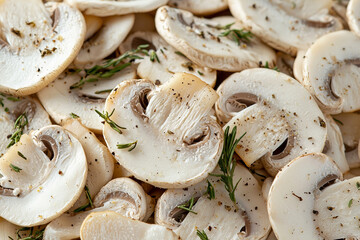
column 15, row 168
column 338, row 121
column 19, row 125
column 180, row 54
column 89, row 204
column 188, row 206
column 153, row 56
column 202, row 235
column 358, row 185
column 274, row 68
column 38, row 235
column 210, row 190
column 21, row 155
column 103, row 91
column 237, row 35
column 131, row 146
column 73, row 115
column 106, row 116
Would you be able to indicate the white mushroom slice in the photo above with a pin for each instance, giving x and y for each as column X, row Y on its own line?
column 246, row 220
column 170, row 60
column 200, row 7
column 93, row 24
column 113, row 226
column 178, row 143
column 10, row 231
column 298, row 65
column 269, row 107
column 350, row 129
column 7, row 230
column 41, row 176
column 113, row 31
column 121, row 195
column 36, row 46
column 104, row 8
column 144, row 22
column 285, row 63
column 11, row 109
column 265, row 189
column 338, row 9
column 353, row 158
column 336, row 84
column 199, row 40
column 285, row 27
column 292, row 195
column 353, row 16
column 60, row 101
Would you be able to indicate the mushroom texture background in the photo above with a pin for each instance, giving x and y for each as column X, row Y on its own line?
column 200, row 7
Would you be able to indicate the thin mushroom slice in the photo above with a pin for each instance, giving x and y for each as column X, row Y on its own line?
column 41, row 176
column 298, row 65
column 285, row 63
column 37, row 45
column 292, row 198
column 121, row 195
column 220, row 218
column 177, row 142
column 164, row 61
column 269, row 107
column 287, row 26
column 353, row 16
column 336, row 84
column 200, row 7
column 93, row 24
column 11, row 231
column 201, row 41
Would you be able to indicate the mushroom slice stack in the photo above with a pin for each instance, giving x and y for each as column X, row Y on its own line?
column 177, row 142
column 111, row 225
column 36, row 46
column 284, row 25
column 121, row 195
column 41, row 176
column 200, row 7
column 106, row 39
column 208, row 44
column 104, row 8
column 336, row 84
column 167, row 61
column 270, row 107
column 353, row 16
column 220, row 218
column 26, row 110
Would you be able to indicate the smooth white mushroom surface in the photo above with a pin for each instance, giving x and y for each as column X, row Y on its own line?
column 353, row 16
column 200, row 7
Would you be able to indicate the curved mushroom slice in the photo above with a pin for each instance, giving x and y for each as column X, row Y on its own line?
column 338, row 9
column 143, row 22
column 285, row 63
column 7, row 230
column 121, row 195
column 269, row 107
column 298, row 65
column 353, row 16
column 37, row 45
column 286, row 27
column 177, row 142
column 265, row 189
column 104, row 8
column 290, row 204
column 34, row 171
column 207, row 44
column 200, row 7
column 93, row 24
column 29, row 113
column 113, row 31
column 336, row 84
column 11, row 231
column 61, row 102
column 167, row 61
column 246, row 220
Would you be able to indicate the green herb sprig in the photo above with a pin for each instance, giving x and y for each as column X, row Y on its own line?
column 131, row 146
column 236, row 35
column 210, row 190
column 15, row 168
column 188, row 206
column 73, row 115
column 37, row 235
column 106, row 116
column 274, row 68
column 19, row 125
column 202, row 235
column 89, row 204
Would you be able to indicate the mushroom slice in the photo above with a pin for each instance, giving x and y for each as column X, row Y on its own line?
column 11, row 231
column 104, row 8
column 266, row 187
column 112, row 226
column 286, row 26
column 178, row 143
column 200, row 7
column 353, row 16
column 41, row 176
column 200, row 40
column 285, row 63
column 25, row 109
column 298, row 65
column 246, row 220
column 269, row 107
column 336, row 84
column 106, row 40
column 93, row 24
column 37, row 45
column 121, row 195
column 291, row 198
column 167, row 61
column 60, row 101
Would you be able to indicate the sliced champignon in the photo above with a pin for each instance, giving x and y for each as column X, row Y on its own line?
column 111, row 225
column 285, row 63
column 121, row 195
column 10, row 231
column 200, row 7
column 220, row 218
column 104, row 8
column 286, row 25
column 335, row 85
column 293, row 194
column 178, row 143
column 105, row 41
column 93, row 24
column 41, row 176
column 298, row 65
column 37, row 45
column 338, row 9
column 60, row 101
column 280, row 118
column 12, row 109
column 200, row 40
column 167, row 61
column 266, row 187
column 353, row 16
column 7, row 230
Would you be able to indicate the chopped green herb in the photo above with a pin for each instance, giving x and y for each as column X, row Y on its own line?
column 350, row 203
column 202, row 235
column 188, row 206
column 103, row 91
column 210, row 191
column 21, row 155
column 106, row 116
column 38, row 235
column 131, row 146
column 274, row 68
column 153, row 56
column 293, row 5
column 73, row 115
column 89, row 204
column 19, row 125
column 180, row 54
column 7, row 110
column 15, row 168
column 358, row 185
column 236, row 35
column 10, row 238
column 1, row 102
column 338, row 121
column 14, row 99
column 188, row 65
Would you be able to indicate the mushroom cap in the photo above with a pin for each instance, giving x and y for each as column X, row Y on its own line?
column 93, row 24
column 178, row 143
column 49, row 181
column 198, row 39
column 285, row 27
column 200, row 7
column 292, row 195
column 36, row 49
column 353, row 16
column 335, row 85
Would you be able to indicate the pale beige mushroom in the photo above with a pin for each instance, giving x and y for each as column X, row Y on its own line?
column 200, row 7
column 353, row 16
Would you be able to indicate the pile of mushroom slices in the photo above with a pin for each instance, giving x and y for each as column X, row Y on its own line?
column 179, row 119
